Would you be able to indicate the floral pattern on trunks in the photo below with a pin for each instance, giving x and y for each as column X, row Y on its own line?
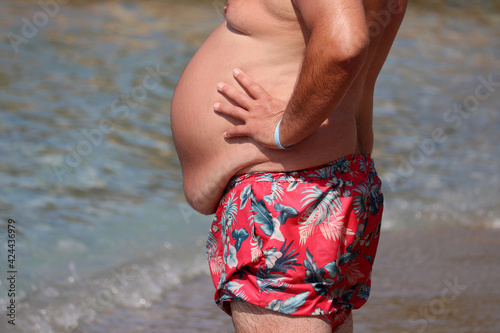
column 299, row 243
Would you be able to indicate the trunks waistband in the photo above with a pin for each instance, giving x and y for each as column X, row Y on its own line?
column 328, row 170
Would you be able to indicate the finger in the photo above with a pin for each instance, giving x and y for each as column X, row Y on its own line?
column 230, row 110
column 240, row 98
column 255, row 90
column 237, row 131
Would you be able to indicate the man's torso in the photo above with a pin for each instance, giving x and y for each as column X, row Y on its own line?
column 265, row 39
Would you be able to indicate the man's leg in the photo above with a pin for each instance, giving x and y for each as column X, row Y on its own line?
column 347, row 327
column 249, row 318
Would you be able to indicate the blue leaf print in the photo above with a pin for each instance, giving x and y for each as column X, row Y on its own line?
column 293, row 180
column 231, row 209
column 289, row 305
column 223, row 298
column 277, row 263
column 270, row 277
column 265, row 177
column 347, row 295
column 364, row 292
column 345, row 258
column 362, row 166
column 245, row 195
column 332, row 268
column 274, row 305
column 261, row 215
column 316, row 276
column 343, row 165
column 239, row 236
column 360, row 230
column 321, row 173
column 268, row 225
column 234, row 289
column 276, row 192
column 285, row 212
column 222, row 280
column 376, row 199
column 360, row 201
column 287, row 260
column 369, row 258
column 211, row 246
column 271, row 283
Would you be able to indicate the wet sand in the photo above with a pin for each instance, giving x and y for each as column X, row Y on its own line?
column 441, row 280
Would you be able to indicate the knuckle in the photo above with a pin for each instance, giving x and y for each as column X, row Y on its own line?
column 236, row 131
column 242, row 97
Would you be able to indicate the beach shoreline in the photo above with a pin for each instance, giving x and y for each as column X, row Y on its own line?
column 437, row 280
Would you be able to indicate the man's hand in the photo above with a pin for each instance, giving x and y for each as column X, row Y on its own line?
column 337, row 41
column 259, row 111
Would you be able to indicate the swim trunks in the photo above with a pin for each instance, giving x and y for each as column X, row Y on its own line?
column 300, row 243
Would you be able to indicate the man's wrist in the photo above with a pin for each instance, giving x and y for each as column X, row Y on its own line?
column 277, row 137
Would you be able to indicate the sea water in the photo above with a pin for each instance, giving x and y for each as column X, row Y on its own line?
column 89, row 173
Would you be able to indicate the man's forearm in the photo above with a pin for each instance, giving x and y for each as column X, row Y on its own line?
column 335, row 53
column 321, row 86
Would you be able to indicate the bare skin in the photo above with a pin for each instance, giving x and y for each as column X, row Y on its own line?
column 248, row 318
column 316, row 62
column 312, row 64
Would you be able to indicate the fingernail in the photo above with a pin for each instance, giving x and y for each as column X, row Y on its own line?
column 236, row 72
column 224, row 134
column 216, row 106
column 220, row 85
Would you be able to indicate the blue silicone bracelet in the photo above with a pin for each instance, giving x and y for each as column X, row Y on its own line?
column 277, row 137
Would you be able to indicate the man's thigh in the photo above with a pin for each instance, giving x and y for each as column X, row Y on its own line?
column 249, row 318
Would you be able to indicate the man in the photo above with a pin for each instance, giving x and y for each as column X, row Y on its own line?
column 272, row 121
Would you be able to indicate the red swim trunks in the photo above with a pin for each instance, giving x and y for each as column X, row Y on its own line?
column 300, row 243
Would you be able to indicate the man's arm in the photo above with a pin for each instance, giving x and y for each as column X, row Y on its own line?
column 337, row 38
column 335, row 52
